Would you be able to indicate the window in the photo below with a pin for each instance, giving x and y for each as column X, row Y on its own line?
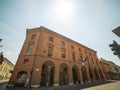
column 79, row 49
column 50, row 49
column 63, row 54
column 25, row 61
column 63, row 43
column 81, row 58
column 87, row 59
column 30, row 47
column 51, row 39
column 94, row 55
column 85, row 52
column 72, row 47
column 33, row 36
column 92, row 60
column 90, row 54
column 73, row 56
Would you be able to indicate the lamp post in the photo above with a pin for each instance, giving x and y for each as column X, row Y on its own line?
column 49, row 69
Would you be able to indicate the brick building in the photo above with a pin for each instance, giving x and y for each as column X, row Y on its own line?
column 48, row 58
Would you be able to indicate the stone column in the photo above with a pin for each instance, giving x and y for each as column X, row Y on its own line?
column 88, row 75
column 70, row 75
column 80, row 73
column 56, row 75
column 98, row 73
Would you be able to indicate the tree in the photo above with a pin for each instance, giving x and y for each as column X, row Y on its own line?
column 1, row 57
column 1, row 54
column 0, row 42
column 115, row 47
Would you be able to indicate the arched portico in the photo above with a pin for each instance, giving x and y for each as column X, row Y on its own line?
column 96, row 74
column 101, row 74
column 84, row 74
column 63, row 74
column 21, row 78
column 91, row 74
column 75, row 74
column 47, row 74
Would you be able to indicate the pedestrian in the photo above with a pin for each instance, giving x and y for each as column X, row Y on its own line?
column 27, row 82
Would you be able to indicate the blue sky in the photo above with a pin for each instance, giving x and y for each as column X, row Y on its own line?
column 89, row 22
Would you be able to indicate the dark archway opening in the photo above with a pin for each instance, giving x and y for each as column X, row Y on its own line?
column 101, row 75
column 84, row 74
column 91, row 74
column 75, row 76
column 21, row 78
column 96, row 74
column 47, row 74
column 63, row 74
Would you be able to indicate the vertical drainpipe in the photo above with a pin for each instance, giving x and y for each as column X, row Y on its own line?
column 38, row 44
column 70, row 77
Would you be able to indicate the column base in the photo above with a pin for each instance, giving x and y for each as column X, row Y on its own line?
column 10, row 85
column 35, row 86
column 89, row 81
column 55, row 85
column 70, row 83
column 81, row 82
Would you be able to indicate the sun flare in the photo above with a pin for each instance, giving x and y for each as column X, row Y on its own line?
column 63, row 10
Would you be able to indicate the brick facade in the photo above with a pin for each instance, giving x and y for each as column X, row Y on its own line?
column 48, row 58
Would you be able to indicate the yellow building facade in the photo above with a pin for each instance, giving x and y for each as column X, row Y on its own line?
column 6, row 68
column 112, row 70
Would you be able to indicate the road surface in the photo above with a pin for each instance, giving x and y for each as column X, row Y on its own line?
column 109, row 86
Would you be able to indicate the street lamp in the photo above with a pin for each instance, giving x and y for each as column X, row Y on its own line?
column 49, row 69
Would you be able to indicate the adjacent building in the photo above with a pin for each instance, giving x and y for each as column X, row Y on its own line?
column 117, row 31
column 112, row 70
column 6, row 68
column 48, row 58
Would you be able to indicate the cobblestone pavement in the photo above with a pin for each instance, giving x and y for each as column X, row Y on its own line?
column 110, row 86
column 101, row 85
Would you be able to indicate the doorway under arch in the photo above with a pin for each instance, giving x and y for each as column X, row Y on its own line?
column 63, row 74
column 101, row 75
column 91, row 74
column 47, row 74
column 96, row 74
column 84, row 74
column 75, row 75
column 21, row 78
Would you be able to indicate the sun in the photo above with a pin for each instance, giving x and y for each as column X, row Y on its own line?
column 63, row 10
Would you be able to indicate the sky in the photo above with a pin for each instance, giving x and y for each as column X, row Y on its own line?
column 89, row 22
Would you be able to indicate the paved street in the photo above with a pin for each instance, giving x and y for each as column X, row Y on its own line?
column 102, row 85
column 110, row 86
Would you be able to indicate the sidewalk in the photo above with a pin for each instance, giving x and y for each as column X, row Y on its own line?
column 109, row 86
column 103, row 85
column 4, row 81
